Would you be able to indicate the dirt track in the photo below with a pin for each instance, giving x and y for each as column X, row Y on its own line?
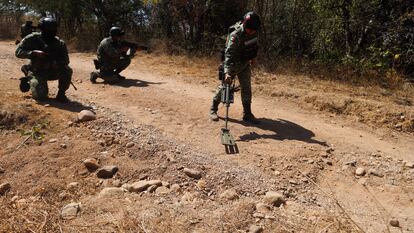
column 179, row 109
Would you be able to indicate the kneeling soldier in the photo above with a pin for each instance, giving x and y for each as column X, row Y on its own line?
column 49, row 60
column 113, row 57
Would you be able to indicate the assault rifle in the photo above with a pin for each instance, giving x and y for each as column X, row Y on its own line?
column 132, row 47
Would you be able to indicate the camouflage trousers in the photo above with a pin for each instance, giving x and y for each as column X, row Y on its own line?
column 245, row 87
column 110, row 68
column 38, row 81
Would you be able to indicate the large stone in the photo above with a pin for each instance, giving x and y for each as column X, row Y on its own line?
column 111, row 192
column 91, row 164
column 192, row 173
column 255, row 229
column 162, row 190
column 230, row 195
column 139, row 186
column 375, row 172
column 274, row 198
column 360, row 171
column 394, row 223
column 4, row 188
column 143, row 185
column 86, row 115
column 70, row 211
column 107, row 172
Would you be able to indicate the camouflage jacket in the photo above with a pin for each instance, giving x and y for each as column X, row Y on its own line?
column 240, row 49
column 57, row 53
column 109, row 51
column 26, row 30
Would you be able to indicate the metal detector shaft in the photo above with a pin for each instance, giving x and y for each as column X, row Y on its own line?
column 227, row 105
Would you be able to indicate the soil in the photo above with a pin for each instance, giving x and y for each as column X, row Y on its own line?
column 313, row 136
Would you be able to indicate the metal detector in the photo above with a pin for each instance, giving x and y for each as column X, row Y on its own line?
column 227, row 98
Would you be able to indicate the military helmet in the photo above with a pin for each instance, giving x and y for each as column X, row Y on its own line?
column 116, row 31
column 252, row 21
column 48, row 24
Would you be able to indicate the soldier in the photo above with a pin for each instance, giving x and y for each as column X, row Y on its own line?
column 241, row 49
column 49, row 60
column 26, row 29
column 113, row 57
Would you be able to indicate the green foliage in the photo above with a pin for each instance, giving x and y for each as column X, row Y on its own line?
column 35, row 132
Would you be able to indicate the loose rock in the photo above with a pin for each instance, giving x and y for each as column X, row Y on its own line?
column 192, row 173
column 375, row 172
column 70, row 211
column 53, row 140
column 86, row 115
column 63, row 146
column 111, row 192
column 255, row 229
column 263, row 208
column 274, row 199
column 91, row 164
column 2, row 170
column 360, row 171
column 230, row 194
column 130, row 144
column 107, row 172
column 409, row 164
column 394, row 223
column 4, row 188
column 162, row 190
column 143, row 185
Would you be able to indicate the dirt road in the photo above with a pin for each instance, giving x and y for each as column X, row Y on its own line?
column 287, row 135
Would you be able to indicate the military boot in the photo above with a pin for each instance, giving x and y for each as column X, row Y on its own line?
column 94, row 76
column 61, row 97
column 213, row 111
column 248, row 115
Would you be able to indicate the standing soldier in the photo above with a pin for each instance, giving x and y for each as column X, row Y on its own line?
column 113, row 57
column 241, row 49
column 49, row 60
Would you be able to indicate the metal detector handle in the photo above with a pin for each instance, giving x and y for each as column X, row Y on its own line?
column 228, row 102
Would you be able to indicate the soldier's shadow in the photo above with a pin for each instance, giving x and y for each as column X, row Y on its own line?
column 127, row 83
column 72, row 106
column 280, row 130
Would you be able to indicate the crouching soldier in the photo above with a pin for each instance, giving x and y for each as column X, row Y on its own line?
column 49, row 60
column 113, row 57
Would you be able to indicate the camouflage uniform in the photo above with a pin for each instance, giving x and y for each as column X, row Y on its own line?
column 237, row 62
column 25, row 30
column 53, row 67
column 111, row 58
